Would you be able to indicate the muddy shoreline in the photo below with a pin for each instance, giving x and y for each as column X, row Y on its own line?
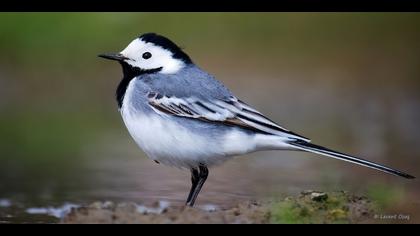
column 307, row 207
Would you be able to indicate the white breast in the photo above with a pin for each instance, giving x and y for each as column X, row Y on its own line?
column 166, row 141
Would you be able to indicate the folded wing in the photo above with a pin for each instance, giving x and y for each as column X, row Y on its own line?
column 231, row 111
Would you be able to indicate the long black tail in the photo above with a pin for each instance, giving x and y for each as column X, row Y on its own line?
column 309, row 147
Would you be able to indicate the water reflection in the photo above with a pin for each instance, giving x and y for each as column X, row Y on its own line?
column 112, row 168
column 58, row 212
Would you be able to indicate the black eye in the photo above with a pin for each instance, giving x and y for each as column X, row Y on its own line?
column 147, row 55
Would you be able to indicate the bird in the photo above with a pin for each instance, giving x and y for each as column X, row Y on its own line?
column 182, row 116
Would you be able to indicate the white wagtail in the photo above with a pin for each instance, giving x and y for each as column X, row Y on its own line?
column 182, row 116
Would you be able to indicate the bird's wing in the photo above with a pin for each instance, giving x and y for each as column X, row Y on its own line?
column 231, row 111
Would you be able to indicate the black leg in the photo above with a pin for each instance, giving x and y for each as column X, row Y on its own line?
column 195, row 190
column 195, row 175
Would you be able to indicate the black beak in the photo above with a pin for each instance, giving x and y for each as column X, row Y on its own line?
column 113, row 56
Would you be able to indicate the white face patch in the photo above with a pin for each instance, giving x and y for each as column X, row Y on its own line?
column 160, row 57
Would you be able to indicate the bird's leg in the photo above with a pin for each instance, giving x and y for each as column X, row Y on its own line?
column 195, row 190
column 195, row 175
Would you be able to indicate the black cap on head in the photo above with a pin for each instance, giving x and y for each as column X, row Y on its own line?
column 167, row 44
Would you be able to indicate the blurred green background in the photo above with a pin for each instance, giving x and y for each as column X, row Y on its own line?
column 350, row 81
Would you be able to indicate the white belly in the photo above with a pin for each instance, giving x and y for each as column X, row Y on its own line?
column 166, row 141
column 169, row 143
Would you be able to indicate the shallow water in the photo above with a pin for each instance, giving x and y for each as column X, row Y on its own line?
column 110, row 167
column 139, row 180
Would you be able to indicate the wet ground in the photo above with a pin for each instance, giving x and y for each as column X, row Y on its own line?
column 64, row 168
column 129, row 189
column 307, row 207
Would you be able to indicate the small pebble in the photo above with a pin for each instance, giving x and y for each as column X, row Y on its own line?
column 318, row 196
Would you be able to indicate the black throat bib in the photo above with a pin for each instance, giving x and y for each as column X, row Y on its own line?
column 129, row 73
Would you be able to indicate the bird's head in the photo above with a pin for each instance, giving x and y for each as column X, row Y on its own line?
column 151, row 53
